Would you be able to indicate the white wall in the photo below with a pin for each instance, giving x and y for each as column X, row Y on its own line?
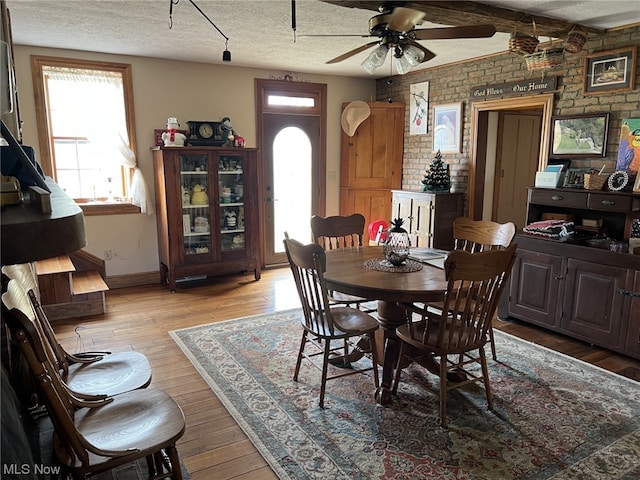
column 188, row 91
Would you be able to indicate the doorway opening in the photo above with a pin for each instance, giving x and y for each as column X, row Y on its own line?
column 491, row 153
column 291, row 137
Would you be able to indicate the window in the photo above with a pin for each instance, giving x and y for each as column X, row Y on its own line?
column 85, row 123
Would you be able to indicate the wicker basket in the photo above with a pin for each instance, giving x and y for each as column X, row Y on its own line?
column 544, row 59
column 593, row 181
column 522, row 43
column 575, row 41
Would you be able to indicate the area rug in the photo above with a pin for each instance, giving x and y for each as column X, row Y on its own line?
column 555, row 417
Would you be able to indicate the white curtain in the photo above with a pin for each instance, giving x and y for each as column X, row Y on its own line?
column 108, row 130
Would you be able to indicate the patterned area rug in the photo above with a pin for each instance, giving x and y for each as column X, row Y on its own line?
column 555, row 417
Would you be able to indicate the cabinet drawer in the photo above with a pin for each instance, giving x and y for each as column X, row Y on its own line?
column 557, row 198
column 611, row 203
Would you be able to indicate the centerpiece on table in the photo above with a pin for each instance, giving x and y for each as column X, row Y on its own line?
column 437, row 179
column 397, row 243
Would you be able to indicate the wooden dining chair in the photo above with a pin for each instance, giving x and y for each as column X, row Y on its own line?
column 337, row 232
column 323, row 322
column 478, row 236
column 474, row 284
column 86, row 373
column 93, row 436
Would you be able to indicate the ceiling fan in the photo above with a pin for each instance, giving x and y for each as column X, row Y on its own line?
column 395, row 28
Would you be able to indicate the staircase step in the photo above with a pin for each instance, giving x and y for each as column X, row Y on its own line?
column 87, row 282
column 54, row 265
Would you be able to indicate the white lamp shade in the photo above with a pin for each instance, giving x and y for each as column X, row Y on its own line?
column 375, row 59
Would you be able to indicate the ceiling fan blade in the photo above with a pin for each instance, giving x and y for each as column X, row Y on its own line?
column 402, row 19
column 335, row 35
column 353, row 52
column 444, row 33
column 428, row 54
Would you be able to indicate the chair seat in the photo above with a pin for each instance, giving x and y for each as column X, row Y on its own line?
column 431, row 341
column 142, row 419
column 346, row 321
column 346, row 298
column 114, row 374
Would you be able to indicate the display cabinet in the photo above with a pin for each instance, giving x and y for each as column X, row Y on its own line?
column 207, row 212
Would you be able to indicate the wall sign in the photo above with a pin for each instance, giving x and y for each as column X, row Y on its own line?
column 510, row 89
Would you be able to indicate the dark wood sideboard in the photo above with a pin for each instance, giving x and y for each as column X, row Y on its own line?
column 591, row 294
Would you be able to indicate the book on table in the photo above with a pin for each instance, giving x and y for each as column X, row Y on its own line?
column 425, row 254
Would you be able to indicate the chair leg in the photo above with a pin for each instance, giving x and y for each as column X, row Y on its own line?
column 396, row 379
column 374, row 358
column 493, row 344
column 485, row 377
column 303, row 342
column 325, row 367
column 150, row 466
column 175, row 462
column 443, row 391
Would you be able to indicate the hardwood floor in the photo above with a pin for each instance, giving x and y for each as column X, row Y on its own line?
column 213, row 445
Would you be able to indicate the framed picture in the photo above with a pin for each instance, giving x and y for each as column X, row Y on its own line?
column 612, row 71
column 579, row 136
column 447, row 128
column 629, row 146
column 418, row 108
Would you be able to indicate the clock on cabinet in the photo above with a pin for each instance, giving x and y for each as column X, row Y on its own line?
column 205, row 133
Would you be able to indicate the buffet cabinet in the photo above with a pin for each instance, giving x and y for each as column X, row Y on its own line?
column 207, row 212
column 428, row 217
column 588, row 293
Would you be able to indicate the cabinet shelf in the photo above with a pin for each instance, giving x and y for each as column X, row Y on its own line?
column 193, row 172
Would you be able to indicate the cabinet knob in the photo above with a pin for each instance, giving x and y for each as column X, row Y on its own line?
column 556, row 197
column 558, row 277
column 608, row 202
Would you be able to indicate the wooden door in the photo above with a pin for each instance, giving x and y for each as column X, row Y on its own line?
column 516, row 166
column 371, row 163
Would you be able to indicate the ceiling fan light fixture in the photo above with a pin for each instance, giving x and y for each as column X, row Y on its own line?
column 375, row 59
column 402, row 64
column 413, row 55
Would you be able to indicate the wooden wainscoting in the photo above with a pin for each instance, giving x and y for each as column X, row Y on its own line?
column 214, row 446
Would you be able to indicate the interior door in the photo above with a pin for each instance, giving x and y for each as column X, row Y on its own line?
column 290, row 180
column 516, row 166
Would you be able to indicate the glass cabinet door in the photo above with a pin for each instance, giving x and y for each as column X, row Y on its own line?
column 195, row 204
column 231, row 193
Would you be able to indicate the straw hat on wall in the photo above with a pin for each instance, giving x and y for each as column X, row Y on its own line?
column 353, row 115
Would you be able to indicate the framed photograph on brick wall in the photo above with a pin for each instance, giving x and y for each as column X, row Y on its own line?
column 447, row 128
column 611, row 71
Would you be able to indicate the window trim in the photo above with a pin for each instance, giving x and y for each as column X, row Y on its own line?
column 38, row 62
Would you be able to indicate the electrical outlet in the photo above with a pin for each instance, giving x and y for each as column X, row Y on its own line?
column 108, row 254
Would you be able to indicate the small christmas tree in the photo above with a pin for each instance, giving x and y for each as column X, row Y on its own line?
column 437, row 177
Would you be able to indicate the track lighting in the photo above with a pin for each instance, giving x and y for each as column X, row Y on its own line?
column 226, row 55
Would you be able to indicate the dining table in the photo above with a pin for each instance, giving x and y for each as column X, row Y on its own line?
column 363, row 271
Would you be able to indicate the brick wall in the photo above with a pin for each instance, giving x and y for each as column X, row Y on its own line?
column 449, row 84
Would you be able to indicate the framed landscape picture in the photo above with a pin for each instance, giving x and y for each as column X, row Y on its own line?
column 447, row 128
column 611, row 71
column 579, row 136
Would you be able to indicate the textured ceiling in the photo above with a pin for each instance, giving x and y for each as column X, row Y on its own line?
column 259, row 31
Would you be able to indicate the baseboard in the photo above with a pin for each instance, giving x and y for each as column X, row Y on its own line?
column 133, row 279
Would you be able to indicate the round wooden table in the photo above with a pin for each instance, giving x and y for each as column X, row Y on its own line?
column 347, row 273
